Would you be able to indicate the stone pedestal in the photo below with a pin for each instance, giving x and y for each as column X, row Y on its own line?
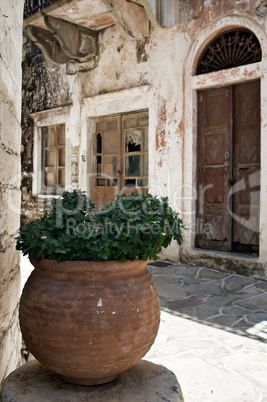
column 146, row 381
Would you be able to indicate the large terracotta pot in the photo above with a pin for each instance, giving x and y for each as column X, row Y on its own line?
column 89, row 321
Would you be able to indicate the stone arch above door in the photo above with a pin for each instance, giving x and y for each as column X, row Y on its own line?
column 193, row 83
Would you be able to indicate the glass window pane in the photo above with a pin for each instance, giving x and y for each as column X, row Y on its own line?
column 145, row 165
column 145, row 138
column 112, row 124
column 49, row 137
column 109, row 166
column 61, row 177
column 142, row 182
column 61, row 135
column 133, row 140
column 130, row 183
column 143, row 120
column 49, row 178
column 61, row 156
column 98, row 165
column 132, row 165
column 100, row 125
column 101, row 182
column 49, row 157
column 130, row 122
column 111, row 182
column 110, row 140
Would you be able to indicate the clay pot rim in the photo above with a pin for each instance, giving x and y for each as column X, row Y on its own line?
column 89, row 265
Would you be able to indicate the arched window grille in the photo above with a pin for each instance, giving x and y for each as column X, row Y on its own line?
column 231, row 49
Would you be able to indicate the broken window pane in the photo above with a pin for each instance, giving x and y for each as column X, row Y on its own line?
column 132, row 165
column 133, row 140
column 99, row 143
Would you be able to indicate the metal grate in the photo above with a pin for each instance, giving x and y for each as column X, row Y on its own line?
column 33, row 6
column 232, row 49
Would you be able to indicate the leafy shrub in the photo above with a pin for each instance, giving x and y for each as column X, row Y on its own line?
column 133, row 226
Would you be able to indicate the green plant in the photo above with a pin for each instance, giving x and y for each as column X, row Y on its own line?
column 133, row 226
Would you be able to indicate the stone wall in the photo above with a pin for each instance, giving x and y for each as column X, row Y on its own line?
column 11, row 13
column 43, row 88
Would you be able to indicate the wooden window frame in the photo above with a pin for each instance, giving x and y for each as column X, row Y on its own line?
column 56, row 188
column 120, row 180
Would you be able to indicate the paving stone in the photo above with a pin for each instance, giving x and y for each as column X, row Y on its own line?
column 261, row 286
column 235, row 283
column 219, row 301
column 186, row 271
column 254, row 303
column 234, row 310
column 165, row 279
column 203, row 289
column 204, row 312
column 257, row 317
column 192, row 301
column 208, row 274
column 171, row 292
column 225, row 320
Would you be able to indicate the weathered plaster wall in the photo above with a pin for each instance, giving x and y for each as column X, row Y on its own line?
column 10, row 137
column 157, row 74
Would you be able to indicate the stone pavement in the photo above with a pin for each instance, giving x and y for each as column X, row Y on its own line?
column 213, row 332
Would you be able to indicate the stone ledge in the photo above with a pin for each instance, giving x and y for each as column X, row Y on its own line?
column 145, row 381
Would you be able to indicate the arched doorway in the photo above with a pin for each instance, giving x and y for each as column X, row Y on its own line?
column 228, row 149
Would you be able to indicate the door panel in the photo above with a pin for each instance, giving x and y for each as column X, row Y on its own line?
column 214, row 168
column 229, row 166
column 246, row 200
column 106, row 143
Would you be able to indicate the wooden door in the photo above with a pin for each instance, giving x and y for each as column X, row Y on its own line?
column 228, row 167
column 214, row 168
column 121, row 156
